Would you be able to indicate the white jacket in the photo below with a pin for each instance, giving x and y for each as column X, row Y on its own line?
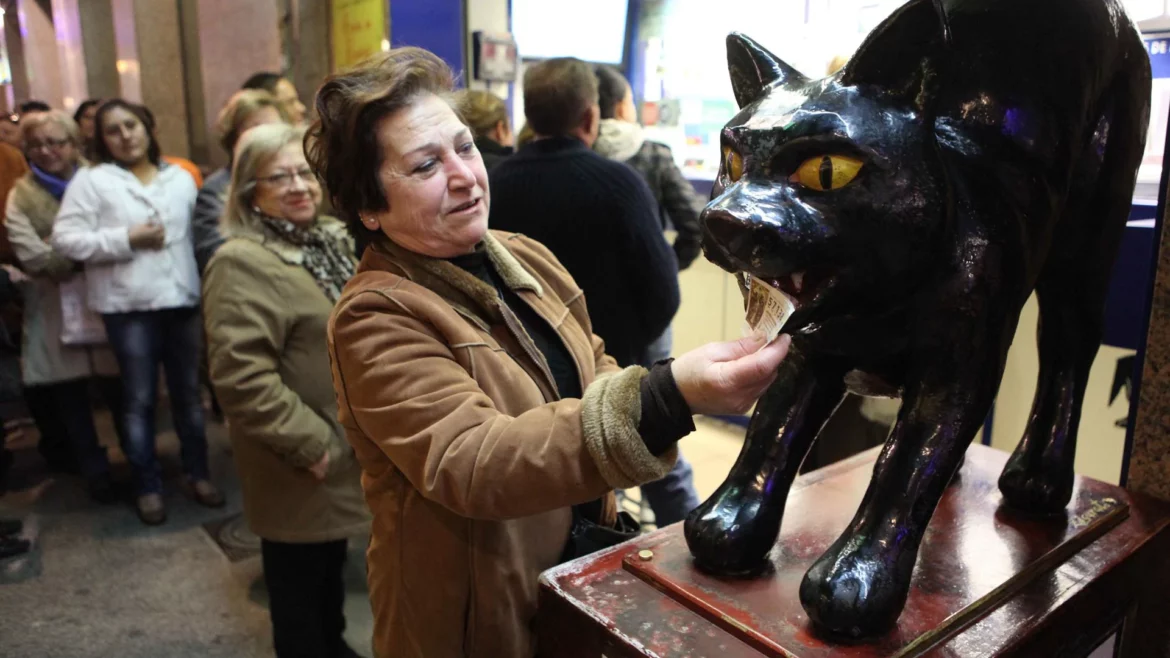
column 93, row 226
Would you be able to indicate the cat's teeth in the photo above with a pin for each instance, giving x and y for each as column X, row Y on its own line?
column 797, row 280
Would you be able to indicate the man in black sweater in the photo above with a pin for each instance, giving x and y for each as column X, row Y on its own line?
column 597, row 216
column 600, row 220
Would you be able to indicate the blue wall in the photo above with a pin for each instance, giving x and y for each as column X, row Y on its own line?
column 436, row 25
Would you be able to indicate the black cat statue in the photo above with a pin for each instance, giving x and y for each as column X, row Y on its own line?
column 970, row 152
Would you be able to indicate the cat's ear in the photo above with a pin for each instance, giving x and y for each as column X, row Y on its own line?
column 903, row 55
column 753, row 69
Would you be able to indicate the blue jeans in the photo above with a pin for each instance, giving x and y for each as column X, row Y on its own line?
column 141, row 341
column 661, row 347
column 674, row 496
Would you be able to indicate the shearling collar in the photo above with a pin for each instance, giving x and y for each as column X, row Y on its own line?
column 619, row 140
column 36, row 202
column 443, row 277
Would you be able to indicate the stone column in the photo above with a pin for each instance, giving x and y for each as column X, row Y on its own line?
column 40, row 52
column 235, row 39
column 1149, row 459
column 67, row 26
column 126, row 51
column 100, row 49
column 310, row 57
column 202, row 142
column 16, row 63
column 159, row 42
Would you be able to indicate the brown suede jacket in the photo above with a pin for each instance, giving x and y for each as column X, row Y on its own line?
column 470, row 462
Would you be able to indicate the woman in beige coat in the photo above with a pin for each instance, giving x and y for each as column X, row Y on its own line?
column 267, row 295
column 56, row 376
column 484, row 411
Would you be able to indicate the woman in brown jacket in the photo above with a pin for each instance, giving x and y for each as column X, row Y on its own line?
column 479, row 403
column 267, row 295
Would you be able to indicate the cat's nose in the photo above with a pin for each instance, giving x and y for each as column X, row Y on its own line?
column 727, row 238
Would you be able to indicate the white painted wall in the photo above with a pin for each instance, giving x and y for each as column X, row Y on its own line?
column 1100, row 443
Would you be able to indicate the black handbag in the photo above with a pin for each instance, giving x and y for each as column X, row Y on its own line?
column 587, row 536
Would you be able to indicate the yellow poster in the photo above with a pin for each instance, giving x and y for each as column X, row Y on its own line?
column 359, row 27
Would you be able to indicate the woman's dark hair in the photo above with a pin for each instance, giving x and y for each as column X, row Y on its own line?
column 611, row 89
column 266, row 80
column 153, row 152
column 342, row 145
column 85, row 105
column 33, row 106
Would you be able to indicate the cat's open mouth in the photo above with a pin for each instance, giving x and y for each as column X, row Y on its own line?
column 805, row 288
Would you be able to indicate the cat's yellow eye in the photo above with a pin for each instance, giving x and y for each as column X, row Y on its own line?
column 733, row 164
column 827, row 172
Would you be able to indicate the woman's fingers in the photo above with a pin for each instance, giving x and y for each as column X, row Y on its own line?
column 728, row 377
column 750, row 370
column 733, row 349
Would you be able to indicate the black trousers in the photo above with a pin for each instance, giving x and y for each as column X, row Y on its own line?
column 63, row 413
column 306, row 597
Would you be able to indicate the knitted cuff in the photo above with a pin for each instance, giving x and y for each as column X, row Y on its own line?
column 309, row 452
column 610, row 411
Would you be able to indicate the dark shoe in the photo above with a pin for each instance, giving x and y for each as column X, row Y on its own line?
column 11, row 546
column 64, row 464
column 10, row 527
column 151, row 510
column 6, row 460
column 103, row 490
column 206, row 494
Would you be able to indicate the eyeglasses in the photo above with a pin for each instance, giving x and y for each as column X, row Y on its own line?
column 52, row 144
column 285, row 178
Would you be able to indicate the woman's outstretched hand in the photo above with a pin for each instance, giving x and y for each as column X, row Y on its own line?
column 728, row 378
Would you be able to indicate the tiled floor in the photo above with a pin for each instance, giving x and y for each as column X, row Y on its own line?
column 99, row 583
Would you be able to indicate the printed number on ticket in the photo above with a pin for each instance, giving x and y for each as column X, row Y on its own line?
column 767, row 309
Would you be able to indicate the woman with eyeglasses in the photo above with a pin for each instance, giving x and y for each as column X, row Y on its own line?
column 128, row 219
column 56, row 376
column 267, row 295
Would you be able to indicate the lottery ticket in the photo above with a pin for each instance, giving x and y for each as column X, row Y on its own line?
column 767, row 309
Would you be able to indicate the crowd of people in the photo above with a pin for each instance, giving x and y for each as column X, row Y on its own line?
column 389, row 367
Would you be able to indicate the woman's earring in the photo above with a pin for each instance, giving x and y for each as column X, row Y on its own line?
column 370, row 222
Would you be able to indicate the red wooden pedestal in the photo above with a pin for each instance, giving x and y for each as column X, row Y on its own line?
column 988, row 582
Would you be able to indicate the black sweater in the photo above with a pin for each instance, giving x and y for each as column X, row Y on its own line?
column 600, row 220
column 666, row 416
column 492, row 152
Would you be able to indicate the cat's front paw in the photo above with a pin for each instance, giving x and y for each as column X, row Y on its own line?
column 857, row 589
column 732, row 532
